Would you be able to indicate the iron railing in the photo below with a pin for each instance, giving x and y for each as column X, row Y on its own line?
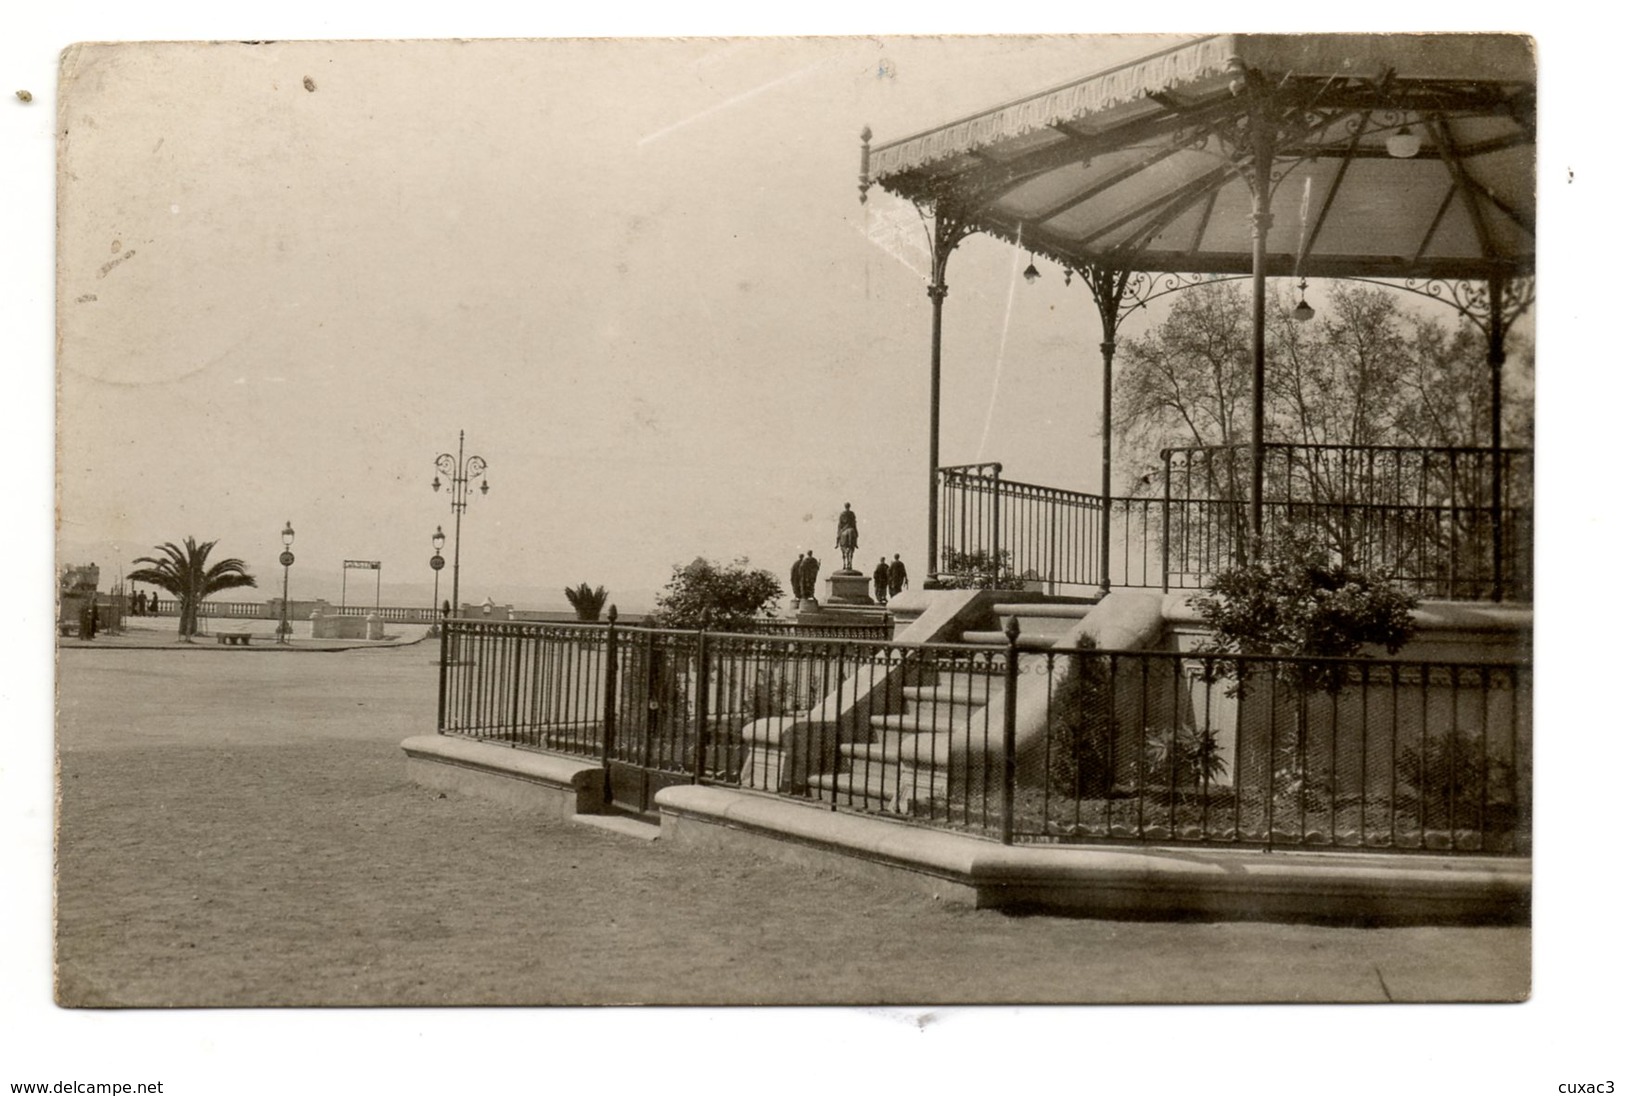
column 1020, row 533
column 1425, row 516
column 1023, row 743
column 881, row 628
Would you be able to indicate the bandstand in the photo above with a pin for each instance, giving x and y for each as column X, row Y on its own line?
column 1403, row 159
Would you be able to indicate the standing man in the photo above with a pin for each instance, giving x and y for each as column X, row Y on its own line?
column 899, row 574
column 809, row 578
column 882, row 580
column 795, row 575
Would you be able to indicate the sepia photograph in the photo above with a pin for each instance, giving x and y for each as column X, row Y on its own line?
column 900, row 523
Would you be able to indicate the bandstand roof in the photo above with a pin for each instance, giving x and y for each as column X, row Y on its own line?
column 1146, row 166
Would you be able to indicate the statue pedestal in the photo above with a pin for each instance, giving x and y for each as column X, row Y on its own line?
column 849, row 588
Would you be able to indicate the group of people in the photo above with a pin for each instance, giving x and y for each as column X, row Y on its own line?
column 140, row 606
column 890, row 578
column 804, row 577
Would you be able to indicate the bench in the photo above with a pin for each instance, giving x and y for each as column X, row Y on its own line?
column 232, row 639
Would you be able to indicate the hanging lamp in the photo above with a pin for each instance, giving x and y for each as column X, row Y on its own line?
column 1303, row 312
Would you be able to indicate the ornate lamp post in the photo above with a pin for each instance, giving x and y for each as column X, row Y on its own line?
column 460, row 472
column 436, row 562
column 286, row 559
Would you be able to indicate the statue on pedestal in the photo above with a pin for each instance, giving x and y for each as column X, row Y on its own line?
column 846, row 536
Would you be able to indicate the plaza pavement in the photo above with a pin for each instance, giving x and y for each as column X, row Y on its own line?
column 160, row 633
column 241, row 832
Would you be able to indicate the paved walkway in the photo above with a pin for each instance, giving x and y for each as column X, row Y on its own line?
column 160, row 633
column 241, row 832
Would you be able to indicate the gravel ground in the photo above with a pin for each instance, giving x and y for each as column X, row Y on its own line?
column 239, row 832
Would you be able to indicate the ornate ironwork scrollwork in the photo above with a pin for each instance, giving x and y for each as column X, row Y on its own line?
column 945, row 227
column 1119, row 293
column 1469, row 298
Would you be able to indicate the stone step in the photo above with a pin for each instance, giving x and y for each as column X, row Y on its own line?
column 951, row 719
column 974, row 693
column 1071, row 610
column 923, row 751
column 1053, row 627
column 874, row 789
column 1027, row 641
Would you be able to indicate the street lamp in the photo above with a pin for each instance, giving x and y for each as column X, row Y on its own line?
column 436, row 562
column 286, row 559
column 459, row 471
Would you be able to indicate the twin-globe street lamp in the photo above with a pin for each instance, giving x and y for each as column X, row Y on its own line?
column 286, row 559
column 459, row 471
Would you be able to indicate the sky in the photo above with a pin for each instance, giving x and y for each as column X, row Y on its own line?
column 327, row 238
column 636, row 274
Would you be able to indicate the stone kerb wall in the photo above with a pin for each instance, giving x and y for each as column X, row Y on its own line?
column 1446, row 631
column 323, row 626
column 1380, row 727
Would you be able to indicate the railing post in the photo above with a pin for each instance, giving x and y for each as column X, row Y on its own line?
column 1054, row 522
column 702, row 706
column 997, row 468
column 835, row 750
column 518, row 639
column 1108, row 349
column 653, row 673
column 611, row 696
column 1497, row 356
column 445, row 628
column 1007, row 826
column 1167, row 506
column 1455, row 519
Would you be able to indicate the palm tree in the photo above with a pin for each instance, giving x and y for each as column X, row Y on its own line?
column 186, row 574
column 586, row 601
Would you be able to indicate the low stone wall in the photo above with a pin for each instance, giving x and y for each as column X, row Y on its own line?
column 1206, row 884
column 323, row 626
column 1179, row 883
column 1446, row 631
column 558, row 787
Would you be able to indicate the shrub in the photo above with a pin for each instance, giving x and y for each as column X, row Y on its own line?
column 1188, row 758
column 724, row 598
column 978, row 570
column 1453, row 772
column 1295, row 601
column 1080, row 730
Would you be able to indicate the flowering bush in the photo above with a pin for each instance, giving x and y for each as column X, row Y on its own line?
column 1296, row 602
